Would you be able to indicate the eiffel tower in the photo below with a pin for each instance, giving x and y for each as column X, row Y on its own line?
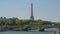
column 32, row 17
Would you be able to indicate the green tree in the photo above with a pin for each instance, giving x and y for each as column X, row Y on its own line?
column 18, row 22
column 11, row 21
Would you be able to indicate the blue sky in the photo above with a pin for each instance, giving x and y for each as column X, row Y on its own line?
column 43, row 9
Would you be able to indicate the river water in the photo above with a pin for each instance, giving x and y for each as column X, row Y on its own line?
column 17, row 32
column 48, row 31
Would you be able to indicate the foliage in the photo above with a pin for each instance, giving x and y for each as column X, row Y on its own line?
column 16, row 21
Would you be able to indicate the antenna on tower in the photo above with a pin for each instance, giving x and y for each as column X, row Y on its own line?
column 31, row 1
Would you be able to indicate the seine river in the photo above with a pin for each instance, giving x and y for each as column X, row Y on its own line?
column 48, row 31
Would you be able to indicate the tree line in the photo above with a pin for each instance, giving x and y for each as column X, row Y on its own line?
column 16, row 21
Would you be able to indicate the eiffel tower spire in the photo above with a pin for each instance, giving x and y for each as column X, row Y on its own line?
column 32, row 17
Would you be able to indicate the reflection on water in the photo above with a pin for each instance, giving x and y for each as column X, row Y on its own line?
column 22, row 32
column 52, row 29
column 48, row 31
